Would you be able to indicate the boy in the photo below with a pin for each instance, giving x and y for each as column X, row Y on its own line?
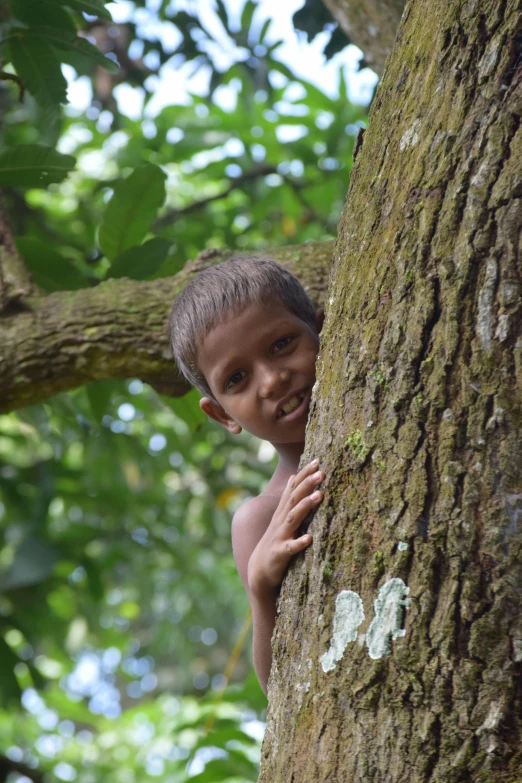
column 246, row 335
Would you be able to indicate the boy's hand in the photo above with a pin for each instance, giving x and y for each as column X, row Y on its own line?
column 269, row 560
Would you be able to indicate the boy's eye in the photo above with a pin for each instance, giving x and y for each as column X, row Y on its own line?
column 282, row 343
column 237, row 377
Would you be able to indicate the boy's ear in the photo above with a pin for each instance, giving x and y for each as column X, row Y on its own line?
column 219, row 414
column 319, row 319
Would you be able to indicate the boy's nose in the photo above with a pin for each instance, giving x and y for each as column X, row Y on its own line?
column 272, row 381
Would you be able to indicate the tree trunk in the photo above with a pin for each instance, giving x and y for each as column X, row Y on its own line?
column 416, row 420
column 118, row 329
column 369, row 24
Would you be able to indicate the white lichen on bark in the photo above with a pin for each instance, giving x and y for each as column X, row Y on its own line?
column 410, row 137
column 349, row 614
column 485, row 317
column 389, row 609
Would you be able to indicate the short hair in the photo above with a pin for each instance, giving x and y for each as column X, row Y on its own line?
column 227, row 288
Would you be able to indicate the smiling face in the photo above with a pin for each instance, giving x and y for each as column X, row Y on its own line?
column 260, row 366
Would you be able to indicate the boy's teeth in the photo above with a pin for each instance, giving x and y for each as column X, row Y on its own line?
column 291, row 404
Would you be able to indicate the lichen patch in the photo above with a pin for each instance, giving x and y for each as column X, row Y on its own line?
column 349, row 614
column 410, row 137
column 485, row 317
column 389, row 609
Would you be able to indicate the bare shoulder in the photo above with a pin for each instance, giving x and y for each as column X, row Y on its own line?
column 252, row 508
column 253, row 517
column 249, row 524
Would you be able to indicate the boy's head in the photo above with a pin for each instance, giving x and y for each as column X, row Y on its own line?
column 250, row 312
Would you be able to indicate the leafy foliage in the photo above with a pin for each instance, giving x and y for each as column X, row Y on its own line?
column 120, row 599
column 33, row 165
column 314, row 17
column 131, row 209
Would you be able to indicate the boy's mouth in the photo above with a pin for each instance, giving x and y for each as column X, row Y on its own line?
column 292, row 405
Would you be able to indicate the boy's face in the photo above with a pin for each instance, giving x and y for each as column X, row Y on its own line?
column 256, row 364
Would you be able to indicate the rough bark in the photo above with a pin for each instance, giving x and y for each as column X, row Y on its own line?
column 416, row 420
column 115, row 330
column 369, row 24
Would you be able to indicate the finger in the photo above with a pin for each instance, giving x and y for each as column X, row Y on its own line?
column 308, row 484
column 295, row 545
column 307, row 470
column 296, row 514
column 298, row 486
column 290, row 485
column 296, row 479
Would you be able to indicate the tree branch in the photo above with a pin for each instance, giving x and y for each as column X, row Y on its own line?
column 116, row 330
column 369, row 24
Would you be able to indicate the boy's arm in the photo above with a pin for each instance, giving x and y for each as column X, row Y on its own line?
column 263, row 543
column 249, row 524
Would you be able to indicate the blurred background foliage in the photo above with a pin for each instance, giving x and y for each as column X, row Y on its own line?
column 121, row 613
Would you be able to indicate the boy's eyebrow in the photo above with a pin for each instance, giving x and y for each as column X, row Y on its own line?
column 228, row 365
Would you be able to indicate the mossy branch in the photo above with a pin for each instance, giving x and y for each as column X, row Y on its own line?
column 115, row 330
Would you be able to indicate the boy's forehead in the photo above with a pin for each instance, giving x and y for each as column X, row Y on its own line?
column 255, row 318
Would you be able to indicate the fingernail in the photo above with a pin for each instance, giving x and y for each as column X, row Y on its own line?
column 317, row 475
column 314, row 462
column 315, row 496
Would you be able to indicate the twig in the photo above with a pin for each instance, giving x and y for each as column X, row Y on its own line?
column 7, row 766
column 235, row 182
column 231, row 665
column 15, row 280
column 297, row 187
column 5, row 76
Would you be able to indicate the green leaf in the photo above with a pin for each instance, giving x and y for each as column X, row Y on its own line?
column 312, row 18
column 187, row 408
column 141, row 261
column 221, row 736
column 33, row 165
column 9, row 688
column 171, row 266
column 132, row 209
column 49, row 270
column 337, row 43
column 92, row 7
column 248, row 691
column 222, row 13
column 223, row 769
column 271, row 49
column 264, row 30
column 65, row 40
column 33, row 562
column 39, row 69
column 100, row 394
column 42, row 12
column 246, row 15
